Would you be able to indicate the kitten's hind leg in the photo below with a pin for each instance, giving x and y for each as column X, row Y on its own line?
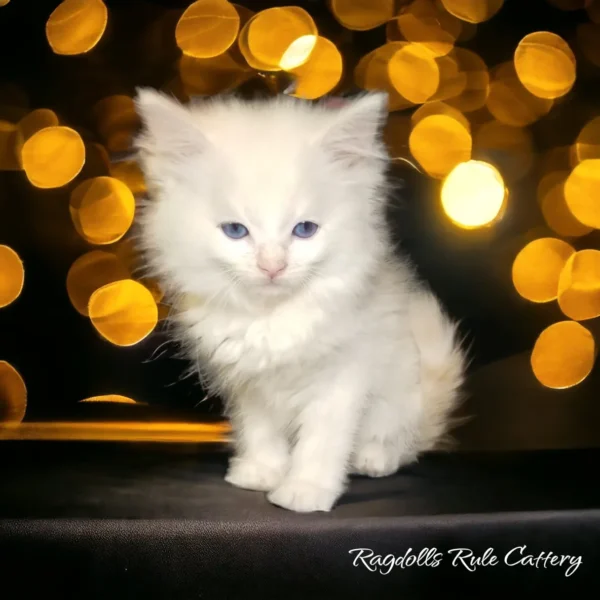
column 261, row 455
column 386, row 440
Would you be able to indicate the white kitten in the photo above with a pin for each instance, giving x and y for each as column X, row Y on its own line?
column 267, row 217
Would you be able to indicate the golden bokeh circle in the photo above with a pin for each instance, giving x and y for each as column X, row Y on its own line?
column 123, row 312
column 473, row 94
column 35, row 121
column 90, row 272
column 439, row 143
column 52, row 157
column 371, row 73
column 13, row 394
column 563, row 355
column 579, row 286
column 207, row 28
column 362, row 15
column 551, row 197
column 510, row 102
column 102, row 210
column 537, row 268
column 414, row 73
column 587, row 144
column 473, row 194
column 76, row 26
column 430, row 25
column 281, row 37
column 473, row 11
column 545, row 65
column 12, row 276
column 582, row 191
column 321, row 73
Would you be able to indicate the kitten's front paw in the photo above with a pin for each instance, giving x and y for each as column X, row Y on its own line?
column 299, row 496
column 251, row 475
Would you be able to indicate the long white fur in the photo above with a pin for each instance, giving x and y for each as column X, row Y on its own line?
column 345, row 363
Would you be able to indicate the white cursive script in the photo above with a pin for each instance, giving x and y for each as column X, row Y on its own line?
column 464, row 558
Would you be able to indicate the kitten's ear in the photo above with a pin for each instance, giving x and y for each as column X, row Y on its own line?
column 353, row 133
column 168, row 128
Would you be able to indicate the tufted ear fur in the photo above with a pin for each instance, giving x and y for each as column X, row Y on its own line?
column 168, row 130
column 353, row 134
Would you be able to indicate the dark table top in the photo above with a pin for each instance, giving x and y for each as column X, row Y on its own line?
column 140, row 481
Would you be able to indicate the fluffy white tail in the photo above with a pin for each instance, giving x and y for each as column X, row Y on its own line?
column 442, row 368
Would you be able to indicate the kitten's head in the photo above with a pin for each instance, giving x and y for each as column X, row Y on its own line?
column 259, row 199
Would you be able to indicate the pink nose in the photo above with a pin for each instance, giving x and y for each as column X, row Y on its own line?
column 272, row 269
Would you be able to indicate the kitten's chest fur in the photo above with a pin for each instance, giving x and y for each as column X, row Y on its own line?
column 237, row 347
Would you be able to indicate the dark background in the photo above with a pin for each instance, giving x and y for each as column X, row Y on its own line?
column 63, row 360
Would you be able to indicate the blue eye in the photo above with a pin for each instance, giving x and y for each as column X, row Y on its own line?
column 305, row 229
column 235, row 231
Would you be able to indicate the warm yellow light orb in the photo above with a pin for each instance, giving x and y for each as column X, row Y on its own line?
column 53, row 157
column 13, row 394
column 12, row 276
column 563, row 355
column 76, row 26
column 545, row 65
column 473, row 194
column 579, row 286
column 537, row 268
column 124, row 312
column 207, row 28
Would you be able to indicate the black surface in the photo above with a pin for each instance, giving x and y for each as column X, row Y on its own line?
column 133, row 521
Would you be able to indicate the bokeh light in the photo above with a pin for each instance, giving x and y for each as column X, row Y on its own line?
column 90, row 272
column 76, row 26
column 439, row 143
column 12, row 276
column 563, row 355
column 372, row 73
column 428, row 24
column 321, row 73
column 579, row 286
column 123, row 312
column 587, row 144
column 473, row 194
column 13, row 394
column 110, row 399
column 582, row 192
column 116, row 121
column 362, row 15
column 510, row 102
column 558, row 216
column 53, row 156
column 537, row 269
column 129, row 173
column 473, row 11
column 472, row 74
column 279, row 38
column 414, row 73
column 102, row 210
column 207, row 28
column 545, row 65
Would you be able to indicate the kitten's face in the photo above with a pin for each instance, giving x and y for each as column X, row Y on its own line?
column 250, row 201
